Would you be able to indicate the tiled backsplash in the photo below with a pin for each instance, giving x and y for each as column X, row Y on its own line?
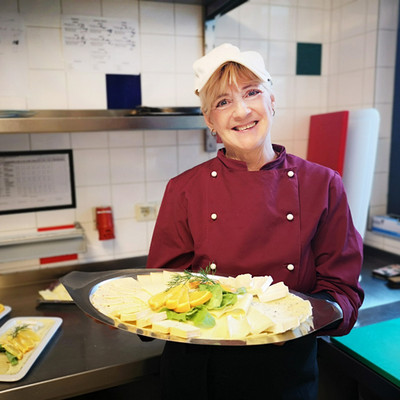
column 122, row 168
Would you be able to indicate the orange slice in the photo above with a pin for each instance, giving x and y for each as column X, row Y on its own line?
column 158, row 300
column 183, row 302
column 199, row 297
column 173, row 296
column 227, row 288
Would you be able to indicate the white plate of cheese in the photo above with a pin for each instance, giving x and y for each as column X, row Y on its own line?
column 45, row 327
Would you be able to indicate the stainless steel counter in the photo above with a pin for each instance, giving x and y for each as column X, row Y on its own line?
column 83, row 356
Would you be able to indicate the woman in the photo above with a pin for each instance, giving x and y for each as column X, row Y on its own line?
column 254, row 209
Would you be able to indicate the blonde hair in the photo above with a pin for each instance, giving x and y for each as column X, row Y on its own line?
column 227, row 75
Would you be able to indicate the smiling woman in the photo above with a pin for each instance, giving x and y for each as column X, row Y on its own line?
column 254, row 209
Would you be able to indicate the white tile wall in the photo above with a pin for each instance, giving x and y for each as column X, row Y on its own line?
column 122, row 168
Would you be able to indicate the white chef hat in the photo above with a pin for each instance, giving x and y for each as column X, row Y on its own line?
column 205, row 66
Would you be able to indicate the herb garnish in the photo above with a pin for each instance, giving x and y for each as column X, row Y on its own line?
column 188, row 276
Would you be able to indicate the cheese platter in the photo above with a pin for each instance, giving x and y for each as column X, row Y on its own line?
column 177, row 306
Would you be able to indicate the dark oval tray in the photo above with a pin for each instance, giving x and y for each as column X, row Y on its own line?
column 81, row 285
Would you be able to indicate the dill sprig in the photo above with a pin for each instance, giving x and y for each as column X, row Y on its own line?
column 18, row 329
column 188, row 276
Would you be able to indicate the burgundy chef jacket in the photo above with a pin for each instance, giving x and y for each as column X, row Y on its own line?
column 290, row 220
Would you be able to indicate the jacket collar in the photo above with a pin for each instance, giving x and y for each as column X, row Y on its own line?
column 241, row 165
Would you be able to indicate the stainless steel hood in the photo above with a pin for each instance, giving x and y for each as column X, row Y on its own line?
column 53, row 121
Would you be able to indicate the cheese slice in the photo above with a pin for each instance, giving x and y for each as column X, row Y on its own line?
column 163, row 326
column 239, row 308
column 218, row 331
column 259, row 284
column 238, row 328
column 258, row 321
column 167, row 276
column 286, row 313
column 149, row 320
column 136, row 315
column 274, row 292
column 183, row 330
column 157, row 277
column 243, row 280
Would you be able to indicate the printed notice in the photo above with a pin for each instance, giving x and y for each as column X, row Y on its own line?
column 13, row 56
column 97, row 44
column 33, row 182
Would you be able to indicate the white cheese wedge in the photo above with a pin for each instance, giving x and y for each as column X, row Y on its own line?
column 284, row 324
column 167, row 276
column 183, row 330
column 258, row 321
column 163, row 326
column 228, row 281
column 243, row 280
column 144, row 280
column 124, row 283
column 219, row 331
column 259, row 284
column 154, row 317
column 274, row 292
column 286, row 313
column 136, row 315
column 242, row 304
column 157, row 277
column 155, row 288
column 238, row 328
column 239, row 308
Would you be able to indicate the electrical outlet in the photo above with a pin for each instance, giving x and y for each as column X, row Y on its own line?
column 146, row 211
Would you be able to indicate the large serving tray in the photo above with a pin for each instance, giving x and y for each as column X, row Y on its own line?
column 82, row 285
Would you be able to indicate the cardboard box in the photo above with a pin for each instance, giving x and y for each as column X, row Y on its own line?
column 387, row 224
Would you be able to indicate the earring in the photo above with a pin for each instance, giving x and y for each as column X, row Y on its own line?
column 213, row 133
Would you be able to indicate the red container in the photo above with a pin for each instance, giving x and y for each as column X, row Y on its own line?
column 105, row 225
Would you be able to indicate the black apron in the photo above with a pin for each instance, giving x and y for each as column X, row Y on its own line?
column 208, row 372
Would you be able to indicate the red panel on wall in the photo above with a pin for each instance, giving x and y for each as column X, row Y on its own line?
column 327, row 139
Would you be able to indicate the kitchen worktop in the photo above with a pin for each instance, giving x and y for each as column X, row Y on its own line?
column 85, row 356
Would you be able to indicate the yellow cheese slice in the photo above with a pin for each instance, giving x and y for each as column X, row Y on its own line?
column 153, row 317
column 183, row 330
column 237, row 327
column 157, row 277
column 258, row 321
column 219, row 331
column 243, row 280
column 239, row 308
column 163, row 326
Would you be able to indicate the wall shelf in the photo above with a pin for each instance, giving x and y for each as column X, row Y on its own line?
column 53, row 121
column 212, row 8
column 43, row 244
